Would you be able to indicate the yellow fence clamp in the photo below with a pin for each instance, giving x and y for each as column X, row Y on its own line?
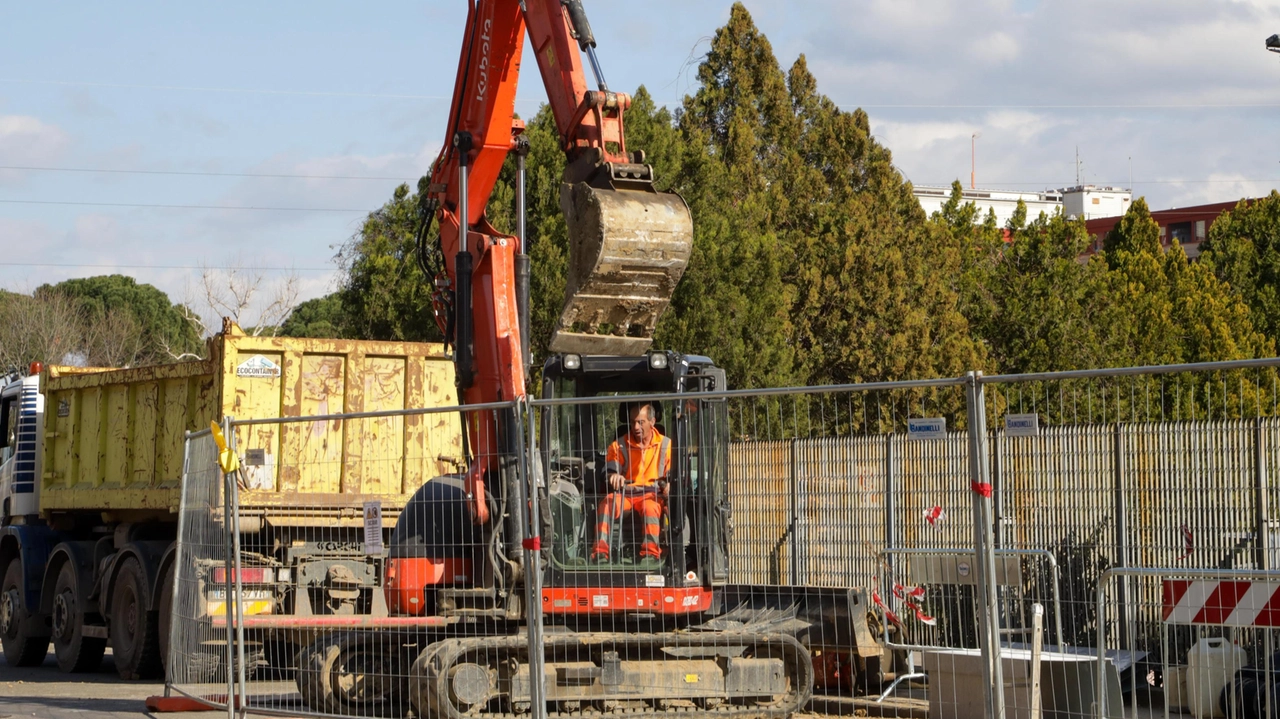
column 227, row 458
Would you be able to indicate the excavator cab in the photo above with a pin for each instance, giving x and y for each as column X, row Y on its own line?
column 575, row 440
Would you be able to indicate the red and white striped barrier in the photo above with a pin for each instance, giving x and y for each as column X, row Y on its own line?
column 1222, row 603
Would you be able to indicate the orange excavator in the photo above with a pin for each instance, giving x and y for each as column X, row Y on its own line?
column 666, row 635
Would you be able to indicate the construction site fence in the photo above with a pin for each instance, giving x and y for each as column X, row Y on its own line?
column 974, row 516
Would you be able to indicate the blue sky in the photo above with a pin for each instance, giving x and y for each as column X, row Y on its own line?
column 1178, row 92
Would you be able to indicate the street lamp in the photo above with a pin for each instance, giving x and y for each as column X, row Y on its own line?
column 1273, row 43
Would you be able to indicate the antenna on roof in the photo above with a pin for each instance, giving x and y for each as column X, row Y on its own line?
column 1077, row 165
column 973, row 157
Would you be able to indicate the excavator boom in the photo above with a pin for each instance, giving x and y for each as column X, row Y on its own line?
column 628, row 243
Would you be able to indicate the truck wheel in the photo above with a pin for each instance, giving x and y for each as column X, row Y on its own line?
column 75, row 651
column 133, row 629
column 20, row 648
column 351, row 674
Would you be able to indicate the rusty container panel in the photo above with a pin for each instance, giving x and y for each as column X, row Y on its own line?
column 114, row 438
column 320, row 471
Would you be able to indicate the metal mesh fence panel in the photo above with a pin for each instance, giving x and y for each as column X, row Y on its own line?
column 197, row 655
column 737, row 552
column 773, row 526
column 840, row 497
column 1154, row 467
column 1213, row 649
column 369, row 538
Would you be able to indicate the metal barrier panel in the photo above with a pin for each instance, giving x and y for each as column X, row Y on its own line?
column 1217, row 638
column 841, row 509
column 196, row 657
column 387, row 543
column 817, row 547
column 817, row 484
column 361, row 551
column 1111, row 469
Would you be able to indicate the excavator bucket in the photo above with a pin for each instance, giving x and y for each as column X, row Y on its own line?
column 628, row 247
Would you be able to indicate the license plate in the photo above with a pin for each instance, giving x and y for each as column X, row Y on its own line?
column 220, row 595
column 252, row 602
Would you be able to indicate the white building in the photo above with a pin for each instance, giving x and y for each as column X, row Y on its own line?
column 1003, row 202
column 1085, row 201
column 1089, row 202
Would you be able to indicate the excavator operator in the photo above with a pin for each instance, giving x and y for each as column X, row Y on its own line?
column 637, row 466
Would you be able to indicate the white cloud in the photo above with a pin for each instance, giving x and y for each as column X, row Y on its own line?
column 995, row 48
column 910, row 137
column 1041, row 79
column 27, row 141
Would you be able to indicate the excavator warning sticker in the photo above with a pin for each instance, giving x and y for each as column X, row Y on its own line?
column 655, row 580
column 258, row 366
column 599, row 600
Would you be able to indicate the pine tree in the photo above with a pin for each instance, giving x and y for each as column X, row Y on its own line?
column 733, row 302
column 1243, row 250
column 1178, row 311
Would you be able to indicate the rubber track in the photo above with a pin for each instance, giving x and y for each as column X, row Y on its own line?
column 433, row 665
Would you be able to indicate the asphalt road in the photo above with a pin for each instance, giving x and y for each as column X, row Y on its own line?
column 49, row 694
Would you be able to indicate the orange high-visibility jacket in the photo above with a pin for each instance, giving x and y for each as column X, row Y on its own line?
column 642, row 465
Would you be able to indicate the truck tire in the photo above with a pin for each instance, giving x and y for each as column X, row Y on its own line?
column 20, row 648
column 76, row 652
column 134, row 643
column 352, row 673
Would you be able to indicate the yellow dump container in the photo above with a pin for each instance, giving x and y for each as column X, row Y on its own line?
column 114, row 438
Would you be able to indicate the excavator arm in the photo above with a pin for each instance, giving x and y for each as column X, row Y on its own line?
column 628, row 243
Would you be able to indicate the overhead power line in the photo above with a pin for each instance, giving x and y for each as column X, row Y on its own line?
column 167, row 267
column 1097, row 106
column 200, row 174
column 992, row 185
column 886, row 106
column 241, row 90
column 182, row 207
column 235, row 90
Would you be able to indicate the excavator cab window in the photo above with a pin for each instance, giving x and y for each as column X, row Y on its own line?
column 576, row 438
column 579, row 443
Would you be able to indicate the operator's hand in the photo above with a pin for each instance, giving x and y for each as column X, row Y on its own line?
column 617, row 481
column 666, row 488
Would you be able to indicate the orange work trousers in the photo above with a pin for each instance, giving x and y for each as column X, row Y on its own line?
column 614, row 507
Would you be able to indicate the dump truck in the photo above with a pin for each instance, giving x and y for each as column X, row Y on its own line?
column 92, row 477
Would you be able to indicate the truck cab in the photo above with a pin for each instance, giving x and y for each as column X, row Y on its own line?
column 21, row 414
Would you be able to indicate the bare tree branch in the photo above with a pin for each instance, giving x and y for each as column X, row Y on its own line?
column 283, row 300
column 44, row 328
column 115, row 340
column 234, row 293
